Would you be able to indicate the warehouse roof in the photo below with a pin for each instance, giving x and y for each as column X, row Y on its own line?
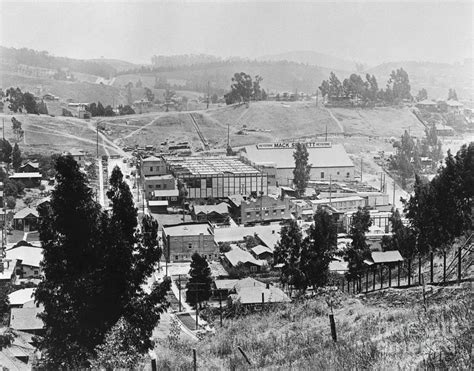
column 332, row 156
column 203, row 166
column 190, row 229
column 29, row 255
column 25, row 175
column 221, row 208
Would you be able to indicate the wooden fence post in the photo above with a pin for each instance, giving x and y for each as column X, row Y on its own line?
column 399, row 269
column 245, row 355
column 431, row 267
column 194, row 360
column 459, row 264
column 409, row 272
column 366, row 281
column 333, row 327
column 381, row 276
column 389, row 275
column 419, row 269
column 444, row 266
column 373, row 282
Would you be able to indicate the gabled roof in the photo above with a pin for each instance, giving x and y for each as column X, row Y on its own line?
column 393, row 256
column 28, row 255
column 31, row 163
column 22, row 296
column 237, row 255
column 225, row 284
column 221, row 208
column 25, row 212
column 26, row 175
column 249, row 291
column 26, row 318
column 152, row 159
column 260, row 249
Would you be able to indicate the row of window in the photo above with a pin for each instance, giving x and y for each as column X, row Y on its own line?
column 266, row 213
column 348, row 175
column 210, row 256
column 158, row 186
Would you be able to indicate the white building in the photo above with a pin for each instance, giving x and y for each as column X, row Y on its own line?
column 328, row 161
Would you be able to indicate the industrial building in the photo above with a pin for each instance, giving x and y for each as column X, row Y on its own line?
column 217, row 177
column 328, row 161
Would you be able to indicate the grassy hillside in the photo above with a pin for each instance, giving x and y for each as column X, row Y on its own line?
column 382, row 122
column 389, row 329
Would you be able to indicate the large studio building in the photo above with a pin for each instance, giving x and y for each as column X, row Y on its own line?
column 217, row 177
column 328, row 161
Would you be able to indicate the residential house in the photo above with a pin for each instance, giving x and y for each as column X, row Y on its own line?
column 427, row 105
column 340, row 203
column 29, row 167
column 268, row 235
column 28, row 260
column 26, row 219
column 26, row 319
column 8, row 270
column 261, row 252
column 181, row 241
column 170, row 195
column 218, row 214
column 444, row 130
column 239, row 257
column 251, row 293
column 79, row 155
column 23, row 298
column 30, row 180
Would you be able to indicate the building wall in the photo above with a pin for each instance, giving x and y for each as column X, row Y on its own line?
column 344, row 205
column 154, row 184
column 222, row 186
column 150, row 168
column 29, row 271
column 264, row 209
column 183, row 247
column 284, row 176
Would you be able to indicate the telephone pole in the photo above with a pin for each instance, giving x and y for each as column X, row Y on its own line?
column 394, row 193
column 208, row 95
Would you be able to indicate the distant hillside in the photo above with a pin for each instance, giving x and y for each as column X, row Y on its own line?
column 11, row 58
column 436, row 78
column 277, row 76
column 183, row 60
column 312, row 58
column 117, row 64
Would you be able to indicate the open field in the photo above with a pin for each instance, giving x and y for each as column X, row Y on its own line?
column 382, row 122
column 388, row 329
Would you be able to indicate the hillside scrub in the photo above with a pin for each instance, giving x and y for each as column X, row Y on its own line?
column 390, row 329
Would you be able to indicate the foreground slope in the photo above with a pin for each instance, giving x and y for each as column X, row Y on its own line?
column 389, row 329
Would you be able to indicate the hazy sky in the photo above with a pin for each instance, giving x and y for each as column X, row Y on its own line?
column 373, row 32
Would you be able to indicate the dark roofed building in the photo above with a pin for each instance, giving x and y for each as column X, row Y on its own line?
column 211, row 213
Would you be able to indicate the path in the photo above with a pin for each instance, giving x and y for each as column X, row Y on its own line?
column 335, row 119
column 198, row 131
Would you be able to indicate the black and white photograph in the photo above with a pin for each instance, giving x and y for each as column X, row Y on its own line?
column 236, row 185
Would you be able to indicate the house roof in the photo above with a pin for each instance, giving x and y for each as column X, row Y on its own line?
column 222, row 208
column 190, row 229
column 159, row 177
column 237, row 255
column 26, row 318
column 152, row 159
column 31, row 163
column 268, row 234
column 453, row 103
column 9, row 266
column 225, row 284
column 386, row 256
column 427, row 102
column 166, row 193
column 323, row 157
column 28, row 255
column 157, row 203
column 249, row 291
column 25, row 212
column 336, row 199
column 22, row 296
column 260, row 249
column 236, row 199
column 26, row 175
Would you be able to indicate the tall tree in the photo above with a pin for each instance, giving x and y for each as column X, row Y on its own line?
column 289, row 252
column 5, row 151
column 358, row 251
column 335, row 86
column 150, row 97
column 301, row 172
column 29, row 103
column 199, row 284
column 422, row 95
column 16, row 157
column 452, row 94
column 15, row 99
column 400, row 85
column 403, row 238
column 95, row 267
column 242, row 87
column 320, row 248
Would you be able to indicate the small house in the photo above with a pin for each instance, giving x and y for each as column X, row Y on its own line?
column 251, row 293
column 28, row 260
column 238, row 257
column 29, row 167
column 213, row 213
column 30, row 180
column 23, row 298
column 262, row 253
column 26, row 219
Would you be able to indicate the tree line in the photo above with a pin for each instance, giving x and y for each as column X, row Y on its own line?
column 23, row 102
column 367, row 91
column 96, row 310
column 108, row 111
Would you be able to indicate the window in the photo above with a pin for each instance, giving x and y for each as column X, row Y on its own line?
column 151, row 168
column 348, row 175
column 208, row 182
column 282, row 211
column 274, row 212
column 248, row 215
column 322, row 174
column 190, row 246
column 257, row 213
column 253, row 268
column 164, row 186
column 338, row 173
column 177, row 257
column 150, row 185
column 158, row 186
column 266, row 212
column 36, row 272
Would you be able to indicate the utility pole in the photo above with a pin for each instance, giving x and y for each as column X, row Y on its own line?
column 361, row 169
column 394, row 193
column 3, row 120
column 326, row 133
column 208, row 95
column 330, row 190
column 97, row 137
